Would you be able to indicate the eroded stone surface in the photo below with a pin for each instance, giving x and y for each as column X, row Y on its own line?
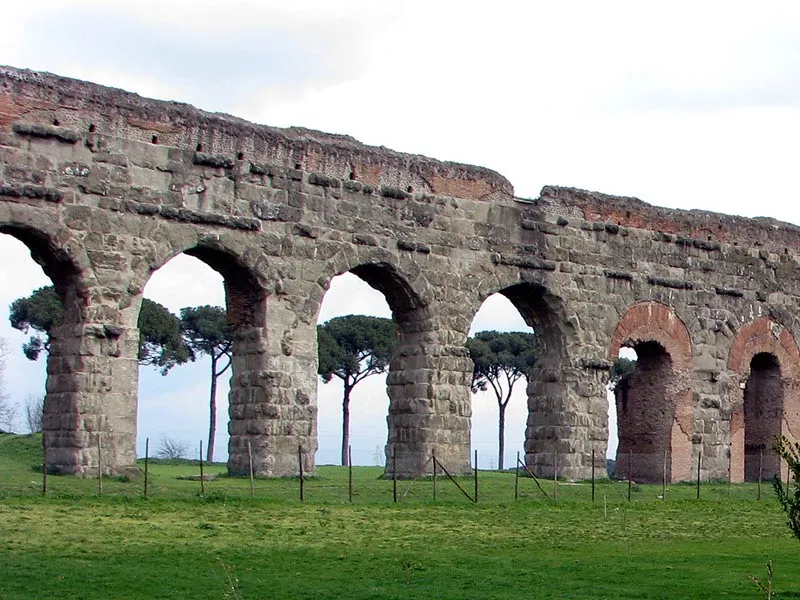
column 105, row 187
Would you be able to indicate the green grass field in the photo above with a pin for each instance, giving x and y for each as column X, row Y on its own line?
column 227, row 544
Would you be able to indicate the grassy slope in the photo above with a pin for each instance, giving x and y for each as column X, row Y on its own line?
column 74, row 544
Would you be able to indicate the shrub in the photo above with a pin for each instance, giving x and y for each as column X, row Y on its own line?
column 789, row 497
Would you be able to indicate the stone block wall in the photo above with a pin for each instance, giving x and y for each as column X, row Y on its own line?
column 105, row 187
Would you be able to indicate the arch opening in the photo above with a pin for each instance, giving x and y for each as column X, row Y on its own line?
column 504, row 346
column 57, row 266
column 362, row 414
column 545, row 315
column 217, row 301
column 245, row 297
column 645, row 409
column 765, row 361
column 398, row 293
column 763, row 413
column 550, row 381
column 654, row 405
column 623, row 365
column 23, row 381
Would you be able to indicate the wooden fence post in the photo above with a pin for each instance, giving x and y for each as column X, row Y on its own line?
column 250, row 462
column 699, row 459
column 516, row 480
column 350, row 474
column 44, row 466
column 729, row 472
column 760, row 467
column 146, row 463
column 202, row 476
column 630, row 462
column 99, row 465
column 555, row 478
column 593, row 475
column 433, row 455
column 302, row 481
column 476, row 476
column 394, row 474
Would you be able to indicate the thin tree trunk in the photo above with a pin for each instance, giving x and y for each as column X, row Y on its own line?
column 212, row 421
column 346, row 423
column 501, row 435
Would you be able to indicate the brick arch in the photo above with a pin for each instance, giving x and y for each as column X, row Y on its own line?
column 768, row 336
column 762, row 336
column 655, row 425
column 654, row 322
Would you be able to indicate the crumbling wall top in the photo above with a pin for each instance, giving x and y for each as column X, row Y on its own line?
column 625, row 211
column 40, row 97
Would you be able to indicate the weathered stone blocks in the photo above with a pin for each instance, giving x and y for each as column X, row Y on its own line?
column 708, row 300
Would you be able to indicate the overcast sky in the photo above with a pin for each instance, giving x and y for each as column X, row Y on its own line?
column 690, row 105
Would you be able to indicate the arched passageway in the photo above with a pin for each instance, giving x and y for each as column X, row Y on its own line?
column 245, row 310
column 77, row 376
column 763, row 413
column 653, row 403
column 424, row 417
column 500, row 407
column 174, row 407
column 645, row 413
column 765, row 361
column 364, row 412
column 22, row 381
column 549, row 384
column 428, row 379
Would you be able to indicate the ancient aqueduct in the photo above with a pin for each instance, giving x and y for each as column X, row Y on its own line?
column 104, row 187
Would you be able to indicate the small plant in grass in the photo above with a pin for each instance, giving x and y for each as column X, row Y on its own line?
column 216, row 497
column 765, row 588
column 789, row 497
column 231, row 582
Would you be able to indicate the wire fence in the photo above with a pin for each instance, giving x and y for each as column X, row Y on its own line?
column 164, row 479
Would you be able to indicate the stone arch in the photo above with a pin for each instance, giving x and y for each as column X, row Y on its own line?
column 64, row 263
column 245, row 286
column 251, row 399
column 245, row 294
column 654, row 405
column 73, row 412
column 558, row 420
column 400, row 281
column 765, row 360
column 541, row 308
column 548, row 389
column 425, row 414
column 406, row 303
